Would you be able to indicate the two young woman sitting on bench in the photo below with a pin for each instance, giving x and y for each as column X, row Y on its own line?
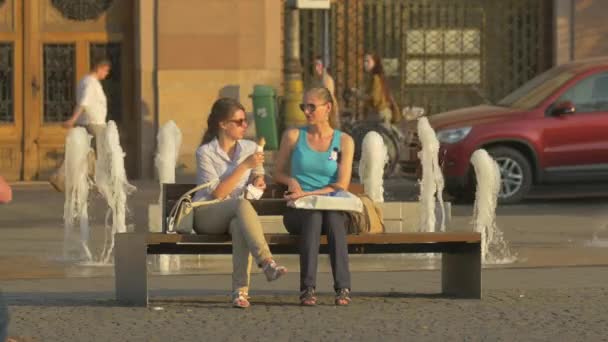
column 314, row 160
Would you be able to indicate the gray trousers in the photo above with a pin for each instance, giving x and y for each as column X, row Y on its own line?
column 310, row 225
column 238, row 217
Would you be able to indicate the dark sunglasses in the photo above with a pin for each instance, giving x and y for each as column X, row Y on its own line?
column 239, row 122
column 310, row 107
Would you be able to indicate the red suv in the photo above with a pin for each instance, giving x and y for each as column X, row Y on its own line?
column 552, row 130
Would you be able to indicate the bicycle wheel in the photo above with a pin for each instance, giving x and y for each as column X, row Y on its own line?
column 358, row 132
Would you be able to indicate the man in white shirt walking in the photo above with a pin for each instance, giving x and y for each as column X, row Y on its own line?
column 90, row 112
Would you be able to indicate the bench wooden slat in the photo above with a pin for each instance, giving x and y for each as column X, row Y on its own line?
column 392, row 238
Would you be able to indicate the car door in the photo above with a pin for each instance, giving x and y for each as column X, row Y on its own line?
column 576, row 145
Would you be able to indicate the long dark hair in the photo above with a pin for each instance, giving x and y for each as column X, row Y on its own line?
column 222, row 110
column 378, row 69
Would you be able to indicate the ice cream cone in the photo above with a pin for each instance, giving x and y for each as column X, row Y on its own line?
column 261, row 143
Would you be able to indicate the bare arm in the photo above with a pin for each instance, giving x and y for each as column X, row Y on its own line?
column 75, row 115
column 345, row 168
column 281, row 170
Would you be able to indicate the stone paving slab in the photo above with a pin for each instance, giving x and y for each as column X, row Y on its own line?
column 565, row 304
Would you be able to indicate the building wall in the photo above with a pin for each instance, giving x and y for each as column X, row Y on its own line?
column 590, row 29
column 145, row 75
column 212, row 48
column 580, row 29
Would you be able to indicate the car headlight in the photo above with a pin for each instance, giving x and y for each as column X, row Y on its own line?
column 451, row 136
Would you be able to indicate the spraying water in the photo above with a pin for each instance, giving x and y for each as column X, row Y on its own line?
column 77, row 183
column 169, row 140
column 494, row 248
column 371, row 166
column 112, row 184
column 432, row 182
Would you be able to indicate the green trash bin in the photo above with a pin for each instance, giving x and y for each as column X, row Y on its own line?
column 265, row 114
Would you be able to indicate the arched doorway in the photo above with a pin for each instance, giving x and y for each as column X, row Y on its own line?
column 46, row 46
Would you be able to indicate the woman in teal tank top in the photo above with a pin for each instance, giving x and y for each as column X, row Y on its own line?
column 317, row 160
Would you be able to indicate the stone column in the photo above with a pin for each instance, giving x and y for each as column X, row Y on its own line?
column 145, row 84
column 293, row 116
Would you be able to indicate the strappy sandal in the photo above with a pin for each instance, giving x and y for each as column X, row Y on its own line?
column 307, row 297
column 343, row 297
column 240, row 300
column 273, row 271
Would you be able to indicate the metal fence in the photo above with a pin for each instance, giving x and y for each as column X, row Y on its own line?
column 438, row 54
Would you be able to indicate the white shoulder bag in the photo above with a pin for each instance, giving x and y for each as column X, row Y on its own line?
column 181, row 216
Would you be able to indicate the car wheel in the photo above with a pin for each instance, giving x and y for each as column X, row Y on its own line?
column 515, row 174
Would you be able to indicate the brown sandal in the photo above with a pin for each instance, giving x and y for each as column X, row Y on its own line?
column 343, row 297
column 307, row 297
column 240, row 300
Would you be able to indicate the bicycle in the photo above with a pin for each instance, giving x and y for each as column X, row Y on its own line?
column 397, row 138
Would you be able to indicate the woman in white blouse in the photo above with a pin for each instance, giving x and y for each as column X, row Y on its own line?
column 230, row 163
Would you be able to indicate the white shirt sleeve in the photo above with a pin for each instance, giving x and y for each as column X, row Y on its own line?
column 87, row 95
column 206, row 173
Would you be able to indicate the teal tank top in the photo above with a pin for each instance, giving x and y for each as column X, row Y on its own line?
column 312, row 169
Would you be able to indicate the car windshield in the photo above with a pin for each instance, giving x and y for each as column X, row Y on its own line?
column 531, row 94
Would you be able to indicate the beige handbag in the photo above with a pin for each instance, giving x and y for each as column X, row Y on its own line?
column 181, row 216
column 369, row 221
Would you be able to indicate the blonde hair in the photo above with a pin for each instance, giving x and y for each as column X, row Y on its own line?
column 324, row 94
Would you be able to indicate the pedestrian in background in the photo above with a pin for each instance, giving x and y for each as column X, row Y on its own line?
column 90, row 112
column 379, row 103
column 323, row 79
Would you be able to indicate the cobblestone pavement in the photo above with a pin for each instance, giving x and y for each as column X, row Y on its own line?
column 563, row 304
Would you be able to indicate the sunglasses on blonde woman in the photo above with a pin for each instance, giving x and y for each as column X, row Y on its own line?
column 310, row 107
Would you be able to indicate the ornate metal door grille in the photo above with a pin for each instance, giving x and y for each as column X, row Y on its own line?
column 82, row 9
column 345, row 45
column 112, row 84
column 7, row 114
column 439, row 54
column 59, row 80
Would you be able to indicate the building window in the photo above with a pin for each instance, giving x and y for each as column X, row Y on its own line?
column 7, row 114
column 443, row 56
column 59, row 80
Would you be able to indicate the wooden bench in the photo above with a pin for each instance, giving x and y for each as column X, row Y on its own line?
column 460, row 264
